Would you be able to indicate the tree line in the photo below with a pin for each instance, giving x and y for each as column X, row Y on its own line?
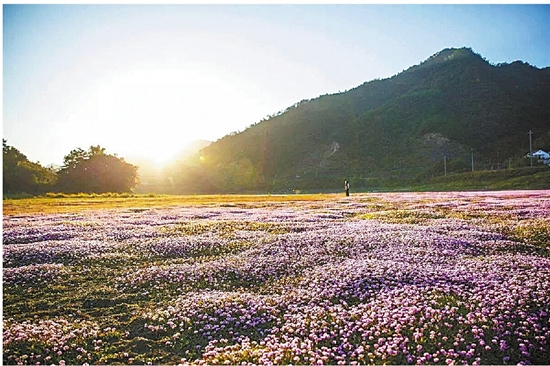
column 86, row 171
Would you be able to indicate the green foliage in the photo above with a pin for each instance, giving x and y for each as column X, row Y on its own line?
column 535, row 233
column 23, row 176
column 401, row 216
column 91, row 171
column 94, row 171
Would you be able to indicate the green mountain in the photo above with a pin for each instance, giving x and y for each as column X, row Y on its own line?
column 400, row 129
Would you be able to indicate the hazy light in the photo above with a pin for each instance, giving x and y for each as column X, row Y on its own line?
column 148, row 80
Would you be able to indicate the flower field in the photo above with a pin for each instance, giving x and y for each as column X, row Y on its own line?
column 395, row 278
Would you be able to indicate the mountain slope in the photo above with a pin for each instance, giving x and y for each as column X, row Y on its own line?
column 398, row 127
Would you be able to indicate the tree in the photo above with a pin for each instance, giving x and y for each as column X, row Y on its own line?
column 23, row 176
column 74, row 158
column 94, row 171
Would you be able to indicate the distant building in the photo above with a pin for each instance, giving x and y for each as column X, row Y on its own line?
column 541, row 156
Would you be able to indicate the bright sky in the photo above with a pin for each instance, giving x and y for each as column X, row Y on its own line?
column 146, row 80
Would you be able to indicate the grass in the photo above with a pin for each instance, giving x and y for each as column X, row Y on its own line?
column 534, row 232
column 63, row 203
column 226, row 229
column 401, row 216
column 525, row 178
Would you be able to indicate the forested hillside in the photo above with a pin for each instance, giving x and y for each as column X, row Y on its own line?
column 399, row 128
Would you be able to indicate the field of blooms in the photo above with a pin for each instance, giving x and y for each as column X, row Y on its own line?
column 396, row 278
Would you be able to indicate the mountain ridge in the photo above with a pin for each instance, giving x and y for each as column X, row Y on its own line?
column 399, row 127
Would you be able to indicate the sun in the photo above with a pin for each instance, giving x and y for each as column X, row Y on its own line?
column 154, row 113
column 157, row 112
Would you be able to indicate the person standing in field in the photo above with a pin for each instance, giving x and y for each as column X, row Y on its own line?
column 346, row 187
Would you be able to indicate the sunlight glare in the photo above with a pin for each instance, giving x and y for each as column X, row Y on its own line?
column 164, row 110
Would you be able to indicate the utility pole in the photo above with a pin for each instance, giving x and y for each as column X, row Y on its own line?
column 445, row 164
column 472, row 150
column 531, row 147
column 498, row 159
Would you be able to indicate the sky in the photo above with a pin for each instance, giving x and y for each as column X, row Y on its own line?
column 144, row 81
